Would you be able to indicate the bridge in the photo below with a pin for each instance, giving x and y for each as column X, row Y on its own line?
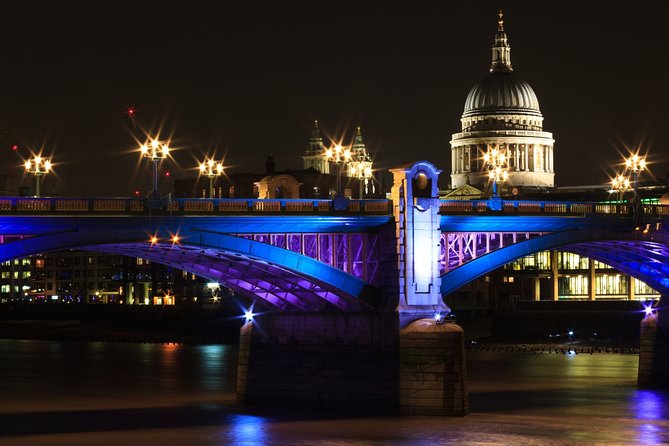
column 352, row 277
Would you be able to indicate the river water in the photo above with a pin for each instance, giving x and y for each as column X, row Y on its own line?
column 78, row 393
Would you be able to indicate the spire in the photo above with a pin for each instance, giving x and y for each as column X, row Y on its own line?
column 501, row 51
column 359, row 151
column 316, row 140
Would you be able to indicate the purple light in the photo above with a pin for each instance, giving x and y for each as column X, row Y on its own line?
column 648, row 308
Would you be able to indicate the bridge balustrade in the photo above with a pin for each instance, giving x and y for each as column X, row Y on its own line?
column 108, row 205
column 187, row 206
column 36, row 205
column 243, row 206
column 548, row 207
column 72, row 205
column 198, row 206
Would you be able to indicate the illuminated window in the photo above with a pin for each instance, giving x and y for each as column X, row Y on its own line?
column 600, row 265
column 611, row 285
column 5, row 288
column 39, row 263
column 25, row 261
column 571, row 261
column 140, row 261
column 573, row 286
column 641, row 289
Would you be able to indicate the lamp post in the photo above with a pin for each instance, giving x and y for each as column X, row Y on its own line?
column 620, row 184
column 156, row 152
column 211, row 169
column 363, row 172
column 38, row 166
column 635, row 164
column 496, row 162
column 338, row 155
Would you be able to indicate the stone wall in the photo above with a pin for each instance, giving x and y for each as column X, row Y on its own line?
column 433, row 372
column 654, row 351
column 325, row 360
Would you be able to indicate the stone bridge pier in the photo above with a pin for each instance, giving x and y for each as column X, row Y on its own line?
column 399, row 356
column 654, row 348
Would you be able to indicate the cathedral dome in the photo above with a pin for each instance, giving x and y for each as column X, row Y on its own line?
column 501, row 92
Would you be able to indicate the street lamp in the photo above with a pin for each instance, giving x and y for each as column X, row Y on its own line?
column 338, row 156
column 496, row 162
column 620, row 184
column 211, row 169
column 38, row 166
column 363, row 172
column 156, row 152
column 635, row 164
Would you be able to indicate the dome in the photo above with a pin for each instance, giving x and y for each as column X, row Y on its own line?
column 501, row 92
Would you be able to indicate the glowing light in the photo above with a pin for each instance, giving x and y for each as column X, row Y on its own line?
column 15, row 147
column 571, row 333
column 175, row 238
column 154, row 240
column 248, row 315
column 648, row 308
column 27, row 165
column 438, row 317
column 213, row 285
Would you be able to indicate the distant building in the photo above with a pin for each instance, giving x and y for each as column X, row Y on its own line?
column 316, row 180
column 502, row 113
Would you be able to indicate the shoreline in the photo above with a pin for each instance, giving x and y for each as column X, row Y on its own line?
column 74, row 330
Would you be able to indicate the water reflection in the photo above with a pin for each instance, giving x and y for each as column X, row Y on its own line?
column 160, row 394
column 246, row 430
column 649, row 405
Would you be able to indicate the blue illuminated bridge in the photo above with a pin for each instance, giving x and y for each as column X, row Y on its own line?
column 362, row 280
column 305, row 255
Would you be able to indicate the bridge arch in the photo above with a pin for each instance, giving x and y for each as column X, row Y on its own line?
column 643, row 256
column 282, row 278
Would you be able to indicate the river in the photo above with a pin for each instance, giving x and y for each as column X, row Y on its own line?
column 93, row 393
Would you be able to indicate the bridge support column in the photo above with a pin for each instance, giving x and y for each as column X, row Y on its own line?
column 654, row 350
column 433, row 373
column 321, row 360
column 433, row 376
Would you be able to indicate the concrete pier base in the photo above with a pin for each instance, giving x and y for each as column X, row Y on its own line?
column 325, row 360
column 358, row 361
column 433, row 373
column 654, row 351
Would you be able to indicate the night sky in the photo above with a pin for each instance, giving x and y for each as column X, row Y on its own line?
column 244, row 80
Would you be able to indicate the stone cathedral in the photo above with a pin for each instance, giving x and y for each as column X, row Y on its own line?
column 502, row 112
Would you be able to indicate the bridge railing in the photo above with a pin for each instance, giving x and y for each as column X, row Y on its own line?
column 52, row 205
column 548, row 207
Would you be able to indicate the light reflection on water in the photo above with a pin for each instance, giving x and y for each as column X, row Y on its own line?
column 161, row 394
column 650, row 406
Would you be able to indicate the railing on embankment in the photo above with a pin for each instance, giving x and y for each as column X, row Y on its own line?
column 23, row 205
column 549, row 208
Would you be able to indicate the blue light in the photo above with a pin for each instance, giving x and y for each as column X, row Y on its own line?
column 571, row 333
column 248, row 315
column 438, row 317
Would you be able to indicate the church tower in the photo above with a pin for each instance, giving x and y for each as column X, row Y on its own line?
column 315, row 156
